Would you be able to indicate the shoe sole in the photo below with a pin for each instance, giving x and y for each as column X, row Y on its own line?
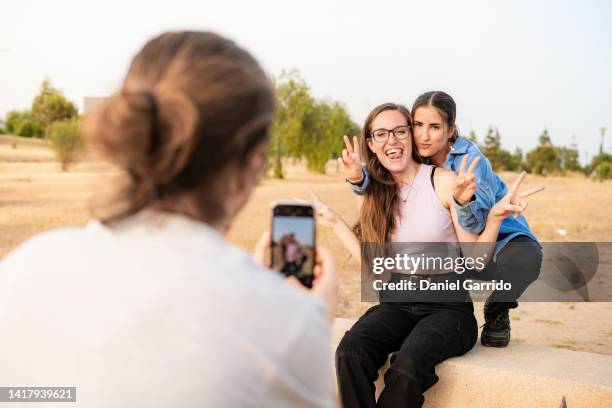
column 494, row 341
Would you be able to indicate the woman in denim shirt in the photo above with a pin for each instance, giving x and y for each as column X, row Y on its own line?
column 518, row 256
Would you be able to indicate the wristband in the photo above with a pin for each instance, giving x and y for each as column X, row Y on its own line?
column 355, row 183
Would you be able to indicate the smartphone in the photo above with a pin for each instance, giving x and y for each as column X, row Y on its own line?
column 293, row 241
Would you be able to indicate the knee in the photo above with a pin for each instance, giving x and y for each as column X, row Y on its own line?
column 350, row 346
column 522, row 261
column 532, row 263
column 410, row 365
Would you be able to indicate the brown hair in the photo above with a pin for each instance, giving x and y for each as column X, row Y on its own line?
column 445, row 105
column 193, row 106
column 380, row 205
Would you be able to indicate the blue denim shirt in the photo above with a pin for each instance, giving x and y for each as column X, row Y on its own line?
column 473, row 216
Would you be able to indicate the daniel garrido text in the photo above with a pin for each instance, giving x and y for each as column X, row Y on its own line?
column 425, row 284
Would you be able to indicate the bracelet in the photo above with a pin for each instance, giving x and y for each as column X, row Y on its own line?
column 355, row 183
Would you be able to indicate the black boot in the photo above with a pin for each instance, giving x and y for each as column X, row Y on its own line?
column 496, row 330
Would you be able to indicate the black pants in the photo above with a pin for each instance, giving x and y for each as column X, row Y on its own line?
column 421, row 334
column 519, row 263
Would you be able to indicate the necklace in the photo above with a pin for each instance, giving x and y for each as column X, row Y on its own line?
column 411, row 187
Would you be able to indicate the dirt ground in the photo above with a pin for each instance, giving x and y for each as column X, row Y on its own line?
column 35, row 196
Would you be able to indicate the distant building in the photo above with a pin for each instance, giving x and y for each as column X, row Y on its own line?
column 90, row 103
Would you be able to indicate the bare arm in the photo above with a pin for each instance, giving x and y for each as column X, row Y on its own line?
column 330, row 219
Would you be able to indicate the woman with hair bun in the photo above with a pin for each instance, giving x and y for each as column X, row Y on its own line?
column 150, row 305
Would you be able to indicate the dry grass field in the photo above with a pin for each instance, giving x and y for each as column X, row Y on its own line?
column 35, row 196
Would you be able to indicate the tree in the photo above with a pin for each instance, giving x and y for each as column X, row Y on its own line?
column 325, row 124
column 544, row 159
column 66, row 141
column 22, row 123
column 517, row 159
column 50, row 105
column 293, row 101
column 568, row 159
column 305, row 127
column 500, row 159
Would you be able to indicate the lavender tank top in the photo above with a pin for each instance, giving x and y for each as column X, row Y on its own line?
column 422, row 216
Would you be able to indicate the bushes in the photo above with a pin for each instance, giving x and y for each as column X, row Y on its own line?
column 22, row 123
column 66, row 141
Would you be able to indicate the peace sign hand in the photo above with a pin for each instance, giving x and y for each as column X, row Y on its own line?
column 514, row 201
column 465, row 185
column 351, row 160
column 325, row 215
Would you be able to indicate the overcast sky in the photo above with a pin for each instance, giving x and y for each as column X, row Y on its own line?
column 520, row 65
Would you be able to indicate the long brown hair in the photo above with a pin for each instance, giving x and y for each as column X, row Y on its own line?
column 193, row 106
column 381, row 201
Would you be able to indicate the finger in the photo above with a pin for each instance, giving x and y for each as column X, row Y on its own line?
column 262, row 248
column 314, row 196
column 531, row 191
column 463, row 164
column 473, row 165
column 357, row 148
column 342, row 163
column 345, row 155
column 325, row 259
column 347, row 142
column 516, row 186
column 317, row 271
column 523, row 206
column 512, row 208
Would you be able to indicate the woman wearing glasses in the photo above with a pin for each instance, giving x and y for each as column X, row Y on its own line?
column 407, row 201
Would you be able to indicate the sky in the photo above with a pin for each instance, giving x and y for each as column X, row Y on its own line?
column 520, row 66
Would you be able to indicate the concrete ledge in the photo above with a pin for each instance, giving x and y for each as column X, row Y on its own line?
column 515, row 376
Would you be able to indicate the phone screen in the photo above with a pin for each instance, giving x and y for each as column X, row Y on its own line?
column 293, row 241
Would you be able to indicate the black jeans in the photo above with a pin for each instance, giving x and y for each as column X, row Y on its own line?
column 519, row 263
column 421, row 335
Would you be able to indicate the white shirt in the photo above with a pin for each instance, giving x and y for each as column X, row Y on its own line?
column 152, row 314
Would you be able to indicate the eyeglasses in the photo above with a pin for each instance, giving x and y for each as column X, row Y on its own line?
column 381, row 135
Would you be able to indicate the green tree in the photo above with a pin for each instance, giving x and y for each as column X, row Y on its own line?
column 544, row 159
column 66, row 141
column 305, row 127
column 517, row 159
column 325, row 124
column 293, row 104
column 22, row 123
column 50, row 105
column 568, row 159
column 500, row 159
column 600, row 167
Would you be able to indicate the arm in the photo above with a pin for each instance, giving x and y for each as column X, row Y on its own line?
column 330, row 219
column 348, row 238
column 361, row 186
column 472, row 210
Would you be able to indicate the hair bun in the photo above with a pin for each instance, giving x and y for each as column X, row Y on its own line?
column 148, row 133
